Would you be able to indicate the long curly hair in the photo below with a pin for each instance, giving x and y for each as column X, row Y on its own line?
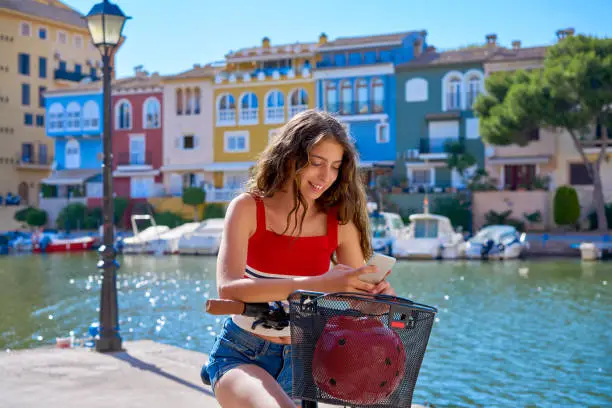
column 287, row 156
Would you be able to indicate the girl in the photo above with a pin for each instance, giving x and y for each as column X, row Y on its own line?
column 304, row 203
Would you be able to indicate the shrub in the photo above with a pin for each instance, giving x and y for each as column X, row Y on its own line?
column 194, row 196
column 566, row 207
column 36, row 217
column 169, row 219
column 214, row 210
column 458, row 209
column 22, row 215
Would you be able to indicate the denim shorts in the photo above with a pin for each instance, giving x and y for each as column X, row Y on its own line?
column 235, row 346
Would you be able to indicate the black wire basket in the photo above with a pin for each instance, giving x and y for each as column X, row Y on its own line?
column 357, row 350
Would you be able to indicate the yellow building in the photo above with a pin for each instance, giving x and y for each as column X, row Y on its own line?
column 259, row 91
column 44, row 44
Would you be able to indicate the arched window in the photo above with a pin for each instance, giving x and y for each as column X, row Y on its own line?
column 188, row 102
column 72, row 153
column 56, row 117
column 91, row 116
column 196, row 100
column 73, row 116
column 346, row 97
column 151, row 113
column 473, row 85
column 179, row 101
column 378, row 95
column 123, row 115
column 331, row 96
column 249, row 106
column 362, row 97
column 275, row 107
column 452, row 85
column 226, row 109
column 298, row 101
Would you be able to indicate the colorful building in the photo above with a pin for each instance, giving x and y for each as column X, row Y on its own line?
column 435, row 93
column 137, row 105
column 355, row 80
column 260, row 89
column 44, row 45
column 188, row 128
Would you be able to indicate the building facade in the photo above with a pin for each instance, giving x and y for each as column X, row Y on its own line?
column 435, row 94
column 260, row 89
column 44, row 45
column 137, row 129
column 188, row 128
column 356, row 81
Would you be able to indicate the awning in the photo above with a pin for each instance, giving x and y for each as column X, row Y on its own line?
column 425, row 165
column 182, row 167
column 228, row 166
column 135, row 173
column 503, row 160
column 70, row 177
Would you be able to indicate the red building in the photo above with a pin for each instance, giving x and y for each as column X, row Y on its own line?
column 137, row 135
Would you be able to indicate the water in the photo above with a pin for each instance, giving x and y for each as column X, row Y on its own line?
column 508, row 334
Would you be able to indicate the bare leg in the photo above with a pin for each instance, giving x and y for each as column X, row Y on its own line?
column 250, row 386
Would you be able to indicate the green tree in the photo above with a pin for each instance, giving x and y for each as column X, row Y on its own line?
column 36, row 217
column 572, row 92
column 458, row 158
column 195, row 197
column 566, row 207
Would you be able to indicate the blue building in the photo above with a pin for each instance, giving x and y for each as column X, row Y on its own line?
column 356, row 81
column 74, row 122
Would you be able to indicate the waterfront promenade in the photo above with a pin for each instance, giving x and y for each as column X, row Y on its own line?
column 146, row 375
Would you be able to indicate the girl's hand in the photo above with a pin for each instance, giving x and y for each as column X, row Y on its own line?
column 384, row 288
column 343, row 278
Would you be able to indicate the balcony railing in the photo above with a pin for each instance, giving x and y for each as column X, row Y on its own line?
column 434, row 145
column 356, row 108
column 135, row 159
column 26, row 159
column 72, row 76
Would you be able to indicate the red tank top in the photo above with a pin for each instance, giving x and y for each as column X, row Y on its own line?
column 271, row 255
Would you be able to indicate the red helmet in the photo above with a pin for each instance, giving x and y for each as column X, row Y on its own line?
column 358, row 360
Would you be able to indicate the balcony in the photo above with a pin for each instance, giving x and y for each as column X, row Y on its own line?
column 135, row 161
column 357, row 108
column 33, row 162
column 74, row 76
column 332, row 60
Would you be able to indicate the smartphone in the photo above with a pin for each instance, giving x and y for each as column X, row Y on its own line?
column 384, row 264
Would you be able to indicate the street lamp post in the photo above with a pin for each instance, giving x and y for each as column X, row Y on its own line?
column 105, row 22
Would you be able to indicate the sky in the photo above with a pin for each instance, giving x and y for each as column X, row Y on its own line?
column 170, row 37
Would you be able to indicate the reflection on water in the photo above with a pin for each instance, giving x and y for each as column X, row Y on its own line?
column 507, row 333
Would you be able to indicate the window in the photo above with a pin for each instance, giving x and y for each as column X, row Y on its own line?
column 72, row 153
column 331, row 96
column 42, row 67
column 179, row 101
column 25, row 29
column 473, row 89
column 533, row 135
column 517, row 176
column 378, row 95
column 137, row 150
column 41, row 96
column 421, row 177
column 189, row 142
column 346, row 97
column 123, row 115
column 188, row 102
column 248, row 109
column 152, row 113
column 73, row 116
column 25, row 94
column 78, row 41
column 453, row 94
column 42, row 33
column 382, row 133
column 363, row 105
column 78, row 68
column 28, row 119
column 27, row 152
column 62, row 37
column 275, row 107
column 416, row 90
column 24, row 64
column 56, row 117
column 425, row 228
column 226, row 110
column 236, row 142
column 579, row 175
column 43, row 156
column 40, row 120
column 91, row 116
column 196, row 100
column 298, row 101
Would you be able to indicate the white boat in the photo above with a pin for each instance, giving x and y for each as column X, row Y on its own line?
column 204, row 240
column 429, row 236
column 142, row 241
column 386, row 228
column 167, row 243
column 497, row 242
